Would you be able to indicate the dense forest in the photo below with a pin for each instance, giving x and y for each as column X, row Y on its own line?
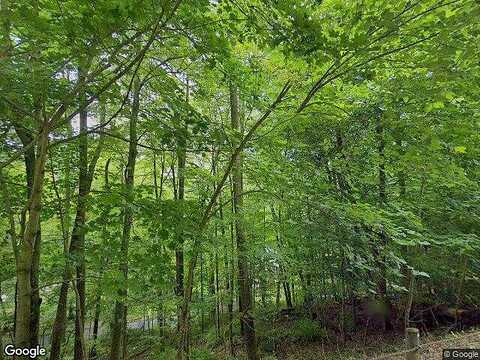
column 231, row 179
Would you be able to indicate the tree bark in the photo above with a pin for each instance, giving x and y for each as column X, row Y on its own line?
column 181, row 162
column 184, row 331
column 78, row 238
column 29, row 163
column 29, row 160
column 382, row 199
column 119, row 326
column 98, row 298
column 85, row 178
column 245, row 289
column 26, row 247
column 179, row 261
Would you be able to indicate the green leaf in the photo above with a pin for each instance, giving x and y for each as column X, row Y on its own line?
column 420, row 273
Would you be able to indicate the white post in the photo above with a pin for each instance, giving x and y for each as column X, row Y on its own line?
column 413, row 343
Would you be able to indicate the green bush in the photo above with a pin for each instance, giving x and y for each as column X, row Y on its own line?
column 202, row 354
column 307, row 330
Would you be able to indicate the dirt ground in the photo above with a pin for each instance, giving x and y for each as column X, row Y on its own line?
column 432, row 349
column 382, row 348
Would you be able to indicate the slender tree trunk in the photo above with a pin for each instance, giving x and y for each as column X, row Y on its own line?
column 158, row 188
column 29, row 160
column 410, row 277
column 217, row 295
column 98, row 297
column 228, row 286
column 36, row 300
column 382, row 196
column 85, row 179
column 211, row 290
column 79, row 236
column 184, row 328
column 231, row 276
column 246, row 316
column 411, row 290
column 27, row 245
column 60, row 323
column 80, row 321
column 119, row 326
column 31, row 176
column 277, row 294
column 288, row 294
column 96, row 323
column 179, row 261
column 181, row 162
column 460, row 291
column 155, row 182
column 202, row 298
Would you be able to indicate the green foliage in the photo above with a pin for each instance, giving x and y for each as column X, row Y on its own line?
column 365, row 173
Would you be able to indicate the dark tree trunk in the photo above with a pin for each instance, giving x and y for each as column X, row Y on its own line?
column 246, row 316
column 26, row 248
column 382, row 199
column 217, row 295
column 288, row 294
column 96, row 323
column 181, row 162
column 119, row 326
column 60, row 323
column 29, row 160
column 76, row 248
column 78, row 238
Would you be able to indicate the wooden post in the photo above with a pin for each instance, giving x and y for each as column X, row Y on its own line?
column 413, row 342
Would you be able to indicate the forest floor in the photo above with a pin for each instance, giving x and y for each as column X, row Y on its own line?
column 144, row 345
column 433, row 347
column 367, row 347
column 381, row 347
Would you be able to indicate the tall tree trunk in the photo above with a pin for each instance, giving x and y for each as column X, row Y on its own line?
column 217, row 292
column 181, row 162
column 29, row 160
column 85, row 178
column 27, row 307
column 280, row 243
column 184, row 328
column 408, row 272
column 60, row 323
column 96, row 322
column 211, row 290
column 202, row 299
column 231, row 278
column 179, row 261
column 288, row 294
column 26, row 247
column 155, row 183
column 228, row 288
column 98, row 298
column 277, row 294
column 30, row 164
column 246, row 316
column 382, row 199
column 36, row 300
column 409, row 302
column 79, row 324
column 119, row 326
column 78, row 239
